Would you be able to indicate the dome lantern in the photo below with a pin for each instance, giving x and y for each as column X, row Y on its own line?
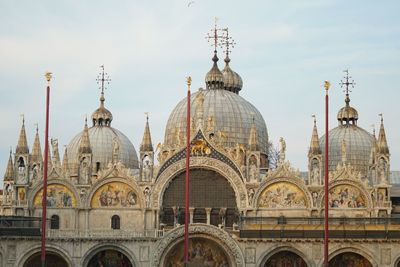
column 347, row 114
column 232, row 81
column 102, row 116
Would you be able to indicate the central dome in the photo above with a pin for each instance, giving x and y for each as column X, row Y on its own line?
column 230, row 113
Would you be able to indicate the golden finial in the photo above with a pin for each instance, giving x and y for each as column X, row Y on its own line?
column 327, row 84
column 23, row 118
column 147, row 115
column 48, row 76
column 315, row 118
column 189, row 82
column 381, row 115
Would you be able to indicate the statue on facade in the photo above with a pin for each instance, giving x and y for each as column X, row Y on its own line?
column 251, row 195
column 146, row 169
column 84, row 171
column 115, row 149
column 222, row 215
column 344, row 153
column 315, row 172
column 382, row 169
column 147, row 194
column 282, row 151
column 199, row 101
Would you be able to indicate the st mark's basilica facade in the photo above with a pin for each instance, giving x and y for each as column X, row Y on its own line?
column 108, row 205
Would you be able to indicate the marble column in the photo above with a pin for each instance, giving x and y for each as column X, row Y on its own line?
column 208, row 212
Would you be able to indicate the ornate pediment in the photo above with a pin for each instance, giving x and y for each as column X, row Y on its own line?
column 283, row 170
column 199, row 147
column 345, row 171
column 114, row 170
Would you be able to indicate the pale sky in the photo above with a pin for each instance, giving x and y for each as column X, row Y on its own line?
column 284, row 52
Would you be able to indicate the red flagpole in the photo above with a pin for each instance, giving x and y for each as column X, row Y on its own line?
column 46, row 160
column 326, row 180
column 186, row 248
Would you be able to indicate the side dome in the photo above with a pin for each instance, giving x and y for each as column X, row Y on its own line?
column 225, row 112
column 101, row 142
column 348, row 141
column 358, row 143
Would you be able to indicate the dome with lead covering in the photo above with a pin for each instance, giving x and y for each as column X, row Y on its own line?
column 350, row 139
column 227, row 112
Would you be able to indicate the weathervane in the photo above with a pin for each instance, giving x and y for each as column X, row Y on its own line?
column 227, row 42
column 213, row 35
column 102, row 78
column 347, row 82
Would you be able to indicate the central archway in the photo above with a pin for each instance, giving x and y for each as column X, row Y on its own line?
column 52, row 259
column 208, row 190
column 349, row 259
column 109, row 257
column 285, row 258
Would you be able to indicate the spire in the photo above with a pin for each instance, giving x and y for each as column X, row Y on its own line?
column 214, row 78
column 36, row 150
column 22, row 146
column 9, row 175
column 253, row 140
column 232, row 81
column 102, row 116
column 65, row 161
column 314, row 144
column 347, row 114
column 382, row 143
column 84, row 146
column 146, row 142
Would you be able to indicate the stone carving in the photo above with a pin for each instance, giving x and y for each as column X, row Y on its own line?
column 9, row 190
column 144, row 253
column 251, row 195
column 58, row 196
column 282, row 195
column 315, row 172
column 146, row 163
column 250, row 255
column 84, row 171
column 210, row 125
column 34, row 173
column 282, row 151
column 114, row 194
column 147, row 194
column 115, row 149
column 346, row 196
column 382, row 170
column 344, row 152
column 199, row 100
column 222, row 238
column 314, row 196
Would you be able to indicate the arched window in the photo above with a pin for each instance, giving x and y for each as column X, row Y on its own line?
column 55, row 222
column 115, row 222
